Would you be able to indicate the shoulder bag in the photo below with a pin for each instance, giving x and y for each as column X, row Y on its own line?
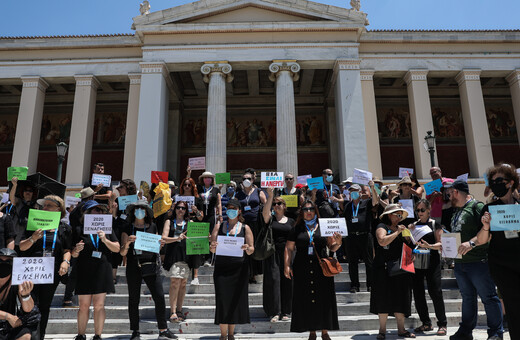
column 329, row 265
column 264, row 243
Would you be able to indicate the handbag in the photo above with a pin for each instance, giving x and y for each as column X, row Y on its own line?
column 329, row 265
column 150, row 268
column 264, row 243
column 393, row 268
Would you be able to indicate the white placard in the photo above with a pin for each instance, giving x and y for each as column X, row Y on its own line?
column 39, row 270
column 94, row 222
column 329, row 226
column 450, row 245
column 106, row 180
column 518, row 172
column 197, row 163
column 230, row 246
column 463, row 177
column 190, row 200
column 71, row 201
column 361, row 177
column 419, row 231
column 272, row 179
column 405, row 172
column 5, row 197
column 408, row 206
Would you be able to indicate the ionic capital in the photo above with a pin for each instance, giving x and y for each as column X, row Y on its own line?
column 514, row 77
column 279, row 66
column 87, row 80
column 211, row 67
column 468, row 75
column 35, row 82
column 415, row 75
column 135, row 78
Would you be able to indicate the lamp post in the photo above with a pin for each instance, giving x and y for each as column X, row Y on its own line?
column 430, row 143
column 61, row 149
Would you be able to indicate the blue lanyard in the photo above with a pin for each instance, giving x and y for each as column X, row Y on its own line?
column 227, row 227
column 207, row 191
column 95, row 243
column 45, row 239
column 311, row 233
column 330, row 194
column 10, row 208
column 357, row 209
column 456, row 219
column 175, row 223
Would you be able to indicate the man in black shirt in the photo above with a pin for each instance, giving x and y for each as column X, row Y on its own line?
column 330, row 195
column 102, row 194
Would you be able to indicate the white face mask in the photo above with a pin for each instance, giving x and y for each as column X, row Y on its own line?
column 246, row 183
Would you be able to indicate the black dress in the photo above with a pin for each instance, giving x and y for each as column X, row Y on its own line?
column 315, row 306
column 291, row 212
column 175, row 251
column 390, row 295
column 231, row 277
column 6, row 230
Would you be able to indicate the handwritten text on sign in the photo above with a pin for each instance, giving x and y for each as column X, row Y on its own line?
column 39, row 270
column 148, row 242
column 106, row 180
column 329, row 226
column 505, row 217
column 197, row 163
column 272, row 179
column 230, row 246
column 94, row 223
column 361, row 177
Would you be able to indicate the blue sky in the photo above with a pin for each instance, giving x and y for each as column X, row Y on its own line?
column 70, row 17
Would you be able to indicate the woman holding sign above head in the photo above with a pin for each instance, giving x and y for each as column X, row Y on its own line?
column 504, row 243
column 314, row 304
column 407, row 199
column 231, row 242
column 143, row 265
column 93, row 268
column 290, row 190
column 23, row 197
column 57, row 243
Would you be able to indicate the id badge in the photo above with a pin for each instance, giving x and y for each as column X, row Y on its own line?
column 123, row 216
column 355, row 220
column 47, row 253
column 247, row 208
column 509, row 234
column 96, row 254
column 138, row 252
column 311, row 250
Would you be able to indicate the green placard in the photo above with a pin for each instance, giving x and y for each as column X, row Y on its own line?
column 19, row 172
column 223, row 178
column 78, row 195
column 41, row 219
column 197, row 242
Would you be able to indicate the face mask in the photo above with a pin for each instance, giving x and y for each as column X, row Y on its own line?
column 354, row 195
column 311, row 222
column 5, row 269
column 139, row 214
column 208, row 181
column 231, row 190
column 329, row 178
column 499, row 189
column 232, row 213
column 246, row 183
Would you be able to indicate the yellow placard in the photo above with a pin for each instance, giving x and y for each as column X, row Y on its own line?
column 291, row 201
column 406, row 232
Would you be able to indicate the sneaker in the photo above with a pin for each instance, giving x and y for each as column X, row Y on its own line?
column 195, row 281
column 80, row 337
column 207, row 264
column 460, row 336
column 96, row 337
column 135, row 335
column 167, row 335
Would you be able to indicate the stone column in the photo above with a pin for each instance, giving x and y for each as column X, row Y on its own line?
column 174, row 142
column 216, row 74
column 29, row 125
column 476, row 129
column 514, row 85
column 332, row 133
column 132, row 115
column 350, row 118
column 420, row 119
column 371, row 128
column 152, row 128
column 284, row 73
column 82, row 130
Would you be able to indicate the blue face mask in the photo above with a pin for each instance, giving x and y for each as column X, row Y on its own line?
column 329, row 178
column 231, row 190
column 354, row 195
column 139, row 213
column 311, row 222
column 232, row 213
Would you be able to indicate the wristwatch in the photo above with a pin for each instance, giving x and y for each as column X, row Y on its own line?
column 472, row 244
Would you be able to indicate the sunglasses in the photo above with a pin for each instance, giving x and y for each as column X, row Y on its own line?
column 244, row 178
column 307, row 209
column 398, row 215
column 278, row 203
column 421, row 210
column 187, row 185
column 289, row 178
column 180, row 208
column 498, row 180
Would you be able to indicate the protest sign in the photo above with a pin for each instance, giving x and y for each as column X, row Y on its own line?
column 408, row 206
column 5, row 197
column 433, row 186
column 190, row 200
column 315, row 183
column 159, row 176
column 19, row 172
column 291, row 201
column 463, row 177
column 106, row 180
column 486, row 180
column 162, row 201
column 223, row 178
column 95, row 222
column 450, row 245
column 230, row 246
column 361, row 177
column 71, row 201
column 272, row 179
column 147, row 242
column 329, row 226
column 41, row 219
column 197, row 242
column 405, row 172
column 303, row 179
column 406, row 259
column 125, row 201
column 77, row 195
column 505, row 217
column 197, row 163
column 39, row 270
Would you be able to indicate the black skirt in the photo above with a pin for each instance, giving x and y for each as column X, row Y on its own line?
column 94, row 276
column 391, row 295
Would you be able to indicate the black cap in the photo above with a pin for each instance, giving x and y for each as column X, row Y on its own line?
column 458, row 185
column 233, row 202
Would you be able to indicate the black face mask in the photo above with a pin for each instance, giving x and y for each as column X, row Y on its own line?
column 499, row 189
column 6, row 269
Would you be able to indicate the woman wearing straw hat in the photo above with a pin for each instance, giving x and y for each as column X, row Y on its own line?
column 212, row 207
column 391, row 295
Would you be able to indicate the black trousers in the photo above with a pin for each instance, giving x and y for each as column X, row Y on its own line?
column 277, row 289
column 42, row 295
column 359, row 247
column 433, row 282
column 154, row 284
column 508, row 283
column 71, row 282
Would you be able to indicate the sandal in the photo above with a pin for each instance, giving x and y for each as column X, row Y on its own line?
column 174, row 318
column 423, row 328
column 286, row 318
column 325, row 337
column 442, row 331
column 180, row 316
column 381, row 336
column 406, row 335
column 231, row 337
column 312, row 336
column 275, row 318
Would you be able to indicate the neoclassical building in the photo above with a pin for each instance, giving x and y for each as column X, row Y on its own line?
column 291, row 85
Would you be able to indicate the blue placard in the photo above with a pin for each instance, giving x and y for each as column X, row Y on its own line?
column 486, row 180
column 505, row 217
column 124, row 201
column 433, row 186
column 147, row 242
column 315, row 183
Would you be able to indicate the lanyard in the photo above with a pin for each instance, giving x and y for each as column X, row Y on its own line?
column 329, row 193
column 227, row 227
column 311, row 233
column 45, row 239
column 133, row 228
column 183, row 223
column 456, row 217
column 357, row 209
column 207, row 191
column 95, row 243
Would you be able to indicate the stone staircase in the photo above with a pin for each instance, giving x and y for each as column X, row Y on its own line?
column 199, row 308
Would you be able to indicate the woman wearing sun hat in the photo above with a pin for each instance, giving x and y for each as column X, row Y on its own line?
column 212, row 204
column 390, row 295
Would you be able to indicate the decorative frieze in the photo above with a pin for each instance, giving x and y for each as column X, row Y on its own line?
column 514, row 77
column 135, row 78
column 416, row 75
column 367, row 75
column 468, row 75
column 284, row 65
column 35, row 82
column 87, row 80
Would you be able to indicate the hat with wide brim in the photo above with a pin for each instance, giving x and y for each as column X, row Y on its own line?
column 377, row 180
column 143, row 204
column 392, row 208
column 405, row 180
column 206, row 174
column 86, row 193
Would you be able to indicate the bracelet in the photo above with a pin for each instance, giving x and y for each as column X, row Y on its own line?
column 31, row 239
column 26, row 297
column 67, row 261
column 485, row 229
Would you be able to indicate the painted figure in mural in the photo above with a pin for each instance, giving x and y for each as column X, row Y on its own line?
column 200, row 133
column 253, row 131
column 500, row 123
column 306, row 124
column 271, row 139
column 232, row 132
column 315, row 131
column 392, row 124
column 46, row 128
column 5, row 132
column 64, row 127
column 189, row 130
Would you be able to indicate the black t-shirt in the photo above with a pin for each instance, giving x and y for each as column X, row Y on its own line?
column 175, row 251
column 435, row 258
column 390, row 252
column 102, row 191
column 447, row 214
column 281, row 231
column 363, row 212
column 408, row 220
column 86, row 254
column 323, row 195
column 6, row 230
column 10, row 301
column 209, row 200
column 145, row 255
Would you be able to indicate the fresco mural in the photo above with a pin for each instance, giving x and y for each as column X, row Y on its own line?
column 394, row 124
column 501, row 123
column 448, row 123
column 7, row 130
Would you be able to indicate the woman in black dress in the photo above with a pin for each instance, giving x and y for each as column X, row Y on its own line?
column 390, row 295
column 277, row 289
column 290, row 189
column 231, row 273
column 314, row 307
column 212, row 204
column 93, row 271
column 7, row 234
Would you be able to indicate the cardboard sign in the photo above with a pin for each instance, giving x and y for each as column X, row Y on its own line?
column 106, row 180
column 94, row 222
column 272, row 179
column 361, row 177
column 433, row 186
column 39, row 270
column 223, row 178
column 190, row 200
column 71, row 201
column 463, row 177
column 159, row 176
column 291, row 201
column 303, row 179
column 505, row 217
column 41, row 219
column 19, row 172
column 197, row 242
column 329, row 226
column 147, row 242
column 403, row 172
column 406, row 260
column 408, row 206
column 230, row 246
column 125, row 201
column 315, row 183
column 450, row 245
column 197, row 163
